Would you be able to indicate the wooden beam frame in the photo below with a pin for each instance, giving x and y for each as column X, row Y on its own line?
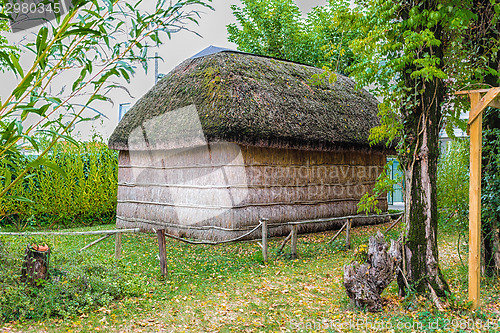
column 474, row 128
column 479, row 105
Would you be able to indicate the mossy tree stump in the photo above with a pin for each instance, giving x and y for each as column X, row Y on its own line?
column 36, row 264
column 365, row 282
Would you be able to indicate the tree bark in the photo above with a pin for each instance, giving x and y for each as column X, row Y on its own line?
column 420, row 250
column 421, row 116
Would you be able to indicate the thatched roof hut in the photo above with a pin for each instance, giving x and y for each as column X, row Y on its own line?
column 227, row 138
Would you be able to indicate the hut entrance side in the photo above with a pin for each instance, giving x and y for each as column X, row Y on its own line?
column 224, row 194
column 226, row 139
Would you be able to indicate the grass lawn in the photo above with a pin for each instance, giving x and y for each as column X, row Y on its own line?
column 227, row 288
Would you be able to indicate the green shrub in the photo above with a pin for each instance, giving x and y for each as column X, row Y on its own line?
column 86, row 194
column 77, row 284
column 490, row 198
column 453, row 184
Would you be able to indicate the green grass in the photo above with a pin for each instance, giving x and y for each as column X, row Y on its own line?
column 227, row 288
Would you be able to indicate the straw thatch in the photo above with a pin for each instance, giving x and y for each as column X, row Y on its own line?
column 280, row 146
column 259, row 101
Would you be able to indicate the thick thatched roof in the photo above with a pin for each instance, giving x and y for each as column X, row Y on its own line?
column 248, row 99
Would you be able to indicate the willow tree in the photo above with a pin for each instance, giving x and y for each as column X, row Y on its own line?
column 96, row 45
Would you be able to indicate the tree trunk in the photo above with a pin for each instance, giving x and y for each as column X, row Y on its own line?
column 421, row 116
column 420, row 250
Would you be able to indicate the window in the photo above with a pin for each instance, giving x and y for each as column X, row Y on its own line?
column 123, row 109
column 396, row 196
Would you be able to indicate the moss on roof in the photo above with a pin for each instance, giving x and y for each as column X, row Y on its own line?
column 256, row 100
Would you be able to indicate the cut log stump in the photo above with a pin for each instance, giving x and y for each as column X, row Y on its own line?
column 36, row 264
column 365, row 282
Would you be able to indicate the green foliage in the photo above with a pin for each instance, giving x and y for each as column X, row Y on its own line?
column 490, row 189
column 276, row 28
column 82, row 191
column 491, row 175
column 393, row 40
column 453, row 184
column 5, row 48
column 76, row 285
column 392, row 44
column 368, row 202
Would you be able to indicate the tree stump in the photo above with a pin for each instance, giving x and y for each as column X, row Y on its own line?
column 36, row 264
column 365, row 282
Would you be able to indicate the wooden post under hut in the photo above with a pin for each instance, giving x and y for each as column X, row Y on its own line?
column 162, row 251
column 264, row 239
column 348, row 234
column 118, row 246
column 294, row 242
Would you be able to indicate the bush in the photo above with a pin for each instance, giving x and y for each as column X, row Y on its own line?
column 85, row 195
column 489, row 193
column 77, row 284
column 453, row 184
column 491, row 177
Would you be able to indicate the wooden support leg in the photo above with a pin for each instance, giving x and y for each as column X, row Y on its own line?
column 294, row 242
column 337, row 234
column 287, row 238
column 264, row 240
column 162, row 251
column 118, row 246
column 348, row 234
column 95, row 242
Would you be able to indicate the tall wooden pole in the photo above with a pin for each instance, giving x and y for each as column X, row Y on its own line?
column 475, row 124
column 475, row 204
